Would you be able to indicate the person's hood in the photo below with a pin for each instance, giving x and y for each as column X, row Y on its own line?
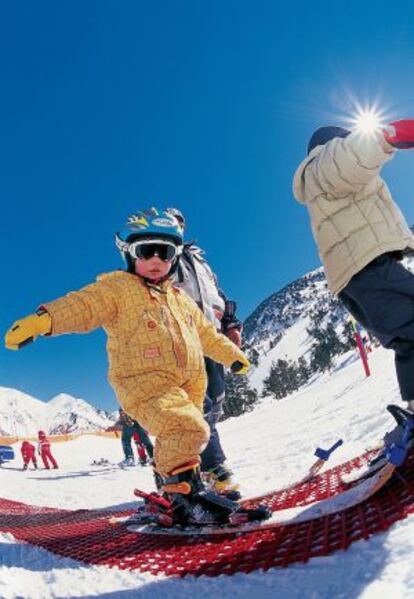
column 298, row 180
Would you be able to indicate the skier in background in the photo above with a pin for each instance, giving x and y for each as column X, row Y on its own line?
column 141, row 450
column 157, row 337
column 195, row 276
column 361, row 233
column 130, row 428
column 28, row 452
column 45, row 452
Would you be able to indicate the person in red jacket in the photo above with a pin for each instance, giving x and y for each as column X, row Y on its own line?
column 142, row 454
column 44, row 451
column 28, row 454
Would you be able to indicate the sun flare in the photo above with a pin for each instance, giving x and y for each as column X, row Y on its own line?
column 367, row 121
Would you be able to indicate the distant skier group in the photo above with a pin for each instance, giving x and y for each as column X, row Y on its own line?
column 28, row 451
column 171, row 331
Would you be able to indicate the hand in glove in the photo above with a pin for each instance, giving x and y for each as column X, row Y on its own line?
column 400, row 134
column 27, row 329
column 240, row 367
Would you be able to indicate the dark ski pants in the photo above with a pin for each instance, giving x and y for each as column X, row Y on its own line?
column 213, row 454
column 127, row 432
column 381, row 298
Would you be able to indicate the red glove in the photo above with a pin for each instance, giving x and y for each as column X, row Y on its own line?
column 235, row 336
column 400, row 134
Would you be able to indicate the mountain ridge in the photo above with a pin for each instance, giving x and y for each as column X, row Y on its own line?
column 22, row 415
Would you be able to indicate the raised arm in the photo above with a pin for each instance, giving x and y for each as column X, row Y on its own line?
column 82, row 311
column 346, row 165
column 77, row 312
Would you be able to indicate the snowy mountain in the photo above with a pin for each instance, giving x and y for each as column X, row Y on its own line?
column 20, row 413
column 66, row 414
column 280, row 326
column 23, row 415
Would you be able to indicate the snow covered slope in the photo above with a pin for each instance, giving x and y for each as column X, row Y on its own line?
column 267, row 448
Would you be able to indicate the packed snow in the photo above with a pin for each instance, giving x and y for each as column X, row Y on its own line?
column 268, row 448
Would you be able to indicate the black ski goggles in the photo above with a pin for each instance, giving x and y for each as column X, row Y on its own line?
column 145, row 250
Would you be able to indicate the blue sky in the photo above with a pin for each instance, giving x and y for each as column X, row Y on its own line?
column 106, row 107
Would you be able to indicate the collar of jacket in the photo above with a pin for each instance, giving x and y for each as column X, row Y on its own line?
column 162, row 287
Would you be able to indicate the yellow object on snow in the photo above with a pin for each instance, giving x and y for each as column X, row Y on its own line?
column 157, row 339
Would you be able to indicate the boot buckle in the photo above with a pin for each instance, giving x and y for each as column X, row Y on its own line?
column 183, row 487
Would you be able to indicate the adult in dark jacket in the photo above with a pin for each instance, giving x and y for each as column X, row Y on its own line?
column 129, row 428
column 195, row 277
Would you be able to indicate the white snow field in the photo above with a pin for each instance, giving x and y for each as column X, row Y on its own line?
column 267, row 449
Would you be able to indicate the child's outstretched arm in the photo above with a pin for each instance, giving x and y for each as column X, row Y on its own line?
column 217, row 346
column 26, row 330
column 77, row 312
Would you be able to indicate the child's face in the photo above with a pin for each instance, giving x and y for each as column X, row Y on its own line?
column 153, row 269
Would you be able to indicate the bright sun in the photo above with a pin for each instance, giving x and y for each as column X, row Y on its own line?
column 367, row 121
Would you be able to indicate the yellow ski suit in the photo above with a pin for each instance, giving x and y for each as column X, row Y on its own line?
column 157, row 337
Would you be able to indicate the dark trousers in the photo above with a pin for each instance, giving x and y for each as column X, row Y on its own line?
column 127, row 432
column 213, row 454
column 381, row 298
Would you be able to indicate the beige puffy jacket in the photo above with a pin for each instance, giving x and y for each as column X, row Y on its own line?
column 353, row 216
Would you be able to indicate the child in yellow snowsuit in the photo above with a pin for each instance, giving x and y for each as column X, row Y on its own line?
column 157, row 339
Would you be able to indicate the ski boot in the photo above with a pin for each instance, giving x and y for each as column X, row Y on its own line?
column 220, row 479
column 397, row 449
column 193, row 504
column 397, row 441
column 127, row 463
column 182, row 500
column 25, row 467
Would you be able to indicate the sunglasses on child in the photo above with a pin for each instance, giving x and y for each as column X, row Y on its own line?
column 145, row 250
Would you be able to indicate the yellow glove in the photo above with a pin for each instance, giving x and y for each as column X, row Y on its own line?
column 240, row 367
column 27, row 329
